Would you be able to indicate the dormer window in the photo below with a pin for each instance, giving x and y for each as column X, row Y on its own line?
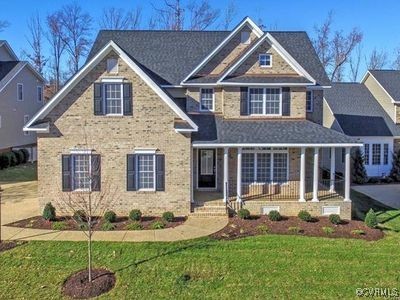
column 245, row 37
column 112, row 65
column 265, row 60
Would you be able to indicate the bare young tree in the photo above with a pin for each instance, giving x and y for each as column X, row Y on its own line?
column 57, row 48
column 354, row 64
column 35, row 41
column 201, row 15
column 376, row 60
column 396, row 62
column 170, row 16
column 116, row 18
column 229, row 14
column 76, row 29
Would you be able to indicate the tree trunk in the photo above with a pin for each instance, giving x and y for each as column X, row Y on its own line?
column 90, row 250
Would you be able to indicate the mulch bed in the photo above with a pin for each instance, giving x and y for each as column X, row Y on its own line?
column 77, row 286
column 8, row 245
column 259, row 225
column 120, row 224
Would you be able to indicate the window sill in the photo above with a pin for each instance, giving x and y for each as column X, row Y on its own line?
column 146, row 191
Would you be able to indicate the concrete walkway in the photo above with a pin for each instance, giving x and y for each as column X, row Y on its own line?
column 388, row 194
column 19, row 201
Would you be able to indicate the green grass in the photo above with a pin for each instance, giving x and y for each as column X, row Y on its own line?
column 388, row 217
column 263, row 267
column 25, row 172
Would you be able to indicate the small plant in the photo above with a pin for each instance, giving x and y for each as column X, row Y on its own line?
column 26, row 155
column 135, row 215
column 305, row 216
column 335, row 219
column 12, row 158
column 79, row 216
column 110, row 216
column 4, row 161
column 243, row 213
column 262, row 229
column 107, row 226
column 135, row 225
column 49, row 212
column 157, row 225
column 328, row 230
column 274, row 215
column 168, row 216
column 370, row 219
column 295, row 229
column 19, row 156
column 59, row 225
column 83, row 226
column 358, row 232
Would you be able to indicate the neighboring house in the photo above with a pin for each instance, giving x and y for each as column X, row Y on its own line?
column 370, row 112
column 173, row 116
column 21, row 96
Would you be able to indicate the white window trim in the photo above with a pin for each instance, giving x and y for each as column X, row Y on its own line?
column 108, row 61
column 383, row 154
column 105, row 100
column 312, row 101
column 270, row 60
column 145, row 152
column 265, row 101
column 213, row 100
column 80, row 152
column 41, row 93
column 248, row 40
column 18, row 85
column 380, row 154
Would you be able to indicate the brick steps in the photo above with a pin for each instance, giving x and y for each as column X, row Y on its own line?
column 209, row 210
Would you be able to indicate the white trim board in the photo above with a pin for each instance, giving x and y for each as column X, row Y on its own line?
column 246, row 21
column 281, row 145
column 90, row 65
column 278, row 48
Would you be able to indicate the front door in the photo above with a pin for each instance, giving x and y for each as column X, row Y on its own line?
column 207, row 168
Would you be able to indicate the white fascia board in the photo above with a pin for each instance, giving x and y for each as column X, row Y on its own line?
column 263, row 84
column 281, row 145
column 258, row 32
column 380, row 85
column 89, row 66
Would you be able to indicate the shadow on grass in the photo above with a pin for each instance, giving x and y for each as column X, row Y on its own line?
column 362, row 203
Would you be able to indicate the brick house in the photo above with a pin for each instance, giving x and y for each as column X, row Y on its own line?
column 173, row 116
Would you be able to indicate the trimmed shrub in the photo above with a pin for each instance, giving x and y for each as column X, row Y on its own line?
column 135, row 225
column 157, row 225
column 12, row 158
column 26, row 155
column 168, row 216
column 262, row 229
column 79, row 216
column 370, row 219
column 328, row 230
column 295, row 229
column 110, row 216
column 4, row 161
column 59, row 225
column 243, row 213
column 135, row 215
column 19, row 156
column 49, row 212
column 274, row 215
column 107, row 226
column 335, row 219
column 305, row 216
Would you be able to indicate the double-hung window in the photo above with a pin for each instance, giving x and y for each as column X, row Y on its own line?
column 113, row 98
column 376, row 154
column 146, row 171
column 366, row 154
column 385, row 154
column 81, row 172
column 309, row 101
column 207, row 99
column 265, row 101
column 20, row 92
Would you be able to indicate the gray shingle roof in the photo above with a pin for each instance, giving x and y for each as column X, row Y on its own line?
column 390, row 80
column 6, row 67
column 265, row 131
column 358, row 112
column 169, row 56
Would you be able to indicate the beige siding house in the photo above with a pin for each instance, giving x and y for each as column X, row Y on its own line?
column 196, row 123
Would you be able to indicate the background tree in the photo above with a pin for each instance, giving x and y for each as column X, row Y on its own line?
column 3, row 25
column 201, row 15
column 76, row 31
column 170, row 16
column 354, row 64
column 395, row 171
column 359, row 171
column 229, row 14
column 117, row 19
column 376, row 60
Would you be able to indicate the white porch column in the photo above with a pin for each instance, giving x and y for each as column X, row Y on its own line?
column 226, row 161
column 347, row 176
column 315, row 175
column 333, row 165
column 302, row 174
column 239, row 176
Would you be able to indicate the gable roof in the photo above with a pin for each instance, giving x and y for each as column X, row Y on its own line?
column 358, row 112
column 6, row 67
column 389, row 81
column 111, row 46
column 12, row 69
column 4, row 43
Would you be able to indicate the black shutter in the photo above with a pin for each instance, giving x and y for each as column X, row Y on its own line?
column 285, row 101
column 244, row 104
column 127, row 90
column 131, row 172
column 98, row 99
column 160, row 172
column 66, row 173
column 96, row 172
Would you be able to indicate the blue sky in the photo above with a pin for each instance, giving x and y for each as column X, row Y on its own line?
column 378, row 22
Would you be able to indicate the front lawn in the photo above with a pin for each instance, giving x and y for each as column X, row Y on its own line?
column 262, row 267
column 25, row 172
